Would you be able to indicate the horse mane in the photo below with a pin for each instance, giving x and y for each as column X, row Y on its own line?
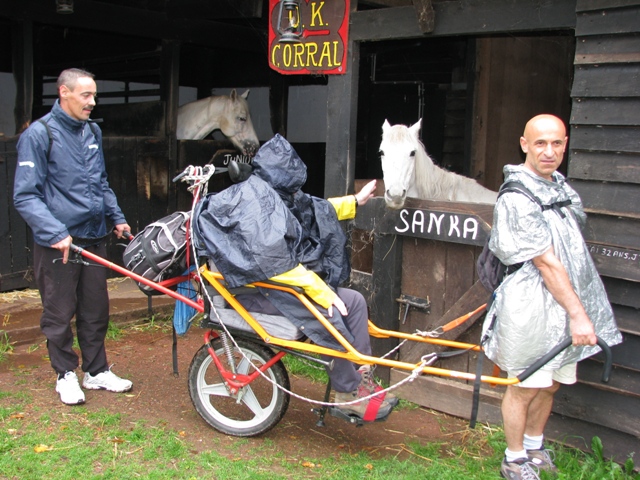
column 430, row 180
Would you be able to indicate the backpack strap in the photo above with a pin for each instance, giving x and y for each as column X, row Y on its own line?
column 520, row 188
column 49, row 134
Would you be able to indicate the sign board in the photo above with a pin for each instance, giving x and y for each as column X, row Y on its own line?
column 445, row 226
column 308, row 37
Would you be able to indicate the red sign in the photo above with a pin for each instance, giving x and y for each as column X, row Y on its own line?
column 308, row 36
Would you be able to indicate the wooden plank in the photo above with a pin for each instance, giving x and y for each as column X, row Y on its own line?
column 626, row 353
column 610, row 230
column 105, row 17
column 599, row 406
column 141, row 119
column 450, row 396
column 615, row 21
column 605, row 166
column 622, row 292
column 445, row 221
column 465, row 17
column 627, row 319
column 604, row 45
column 586, row 5
column 606, row 111
column 611, row 199
column 622, row 380
column 604, row 139
column 606, row 81
column 21, row 236
column 387, row 261
column 616, row 262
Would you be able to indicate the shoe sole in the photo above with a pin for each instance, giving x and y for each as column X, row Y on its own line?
column 98, row 387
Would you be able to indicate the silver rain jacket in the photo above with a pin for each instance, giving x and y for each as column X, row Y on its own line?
column 528, row 320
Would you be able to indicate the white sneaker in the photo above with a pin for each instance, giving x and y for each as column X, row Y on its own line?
column 69, row 389
column 106, row 381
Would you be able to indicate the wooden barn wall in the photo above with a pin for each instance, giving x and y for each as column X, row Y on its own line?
column 138, row 169
column 15, row 238
column 604, row 167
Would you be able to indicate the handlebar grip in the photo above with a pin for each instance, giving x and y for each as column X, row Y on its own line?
column 127, row 235
column 606, row 373
column 175, row 179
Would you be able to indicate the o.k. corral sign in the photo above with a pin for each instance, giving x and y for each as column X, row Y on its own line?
column 308, row 36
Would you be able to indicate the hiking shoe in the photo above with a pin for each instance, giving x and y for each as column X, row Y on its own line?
column 69, row 389
column 543, row 459
column 520, row 469
column 368, row 382
column 369, row 410
column 106, row 380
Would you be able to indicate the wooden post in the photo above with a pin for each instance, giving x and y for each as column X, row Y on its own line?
column 22, row 55
column 170, row 86
column 342, row 108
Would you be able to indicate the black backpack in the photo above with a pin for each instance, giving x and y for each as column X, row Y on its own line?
column 491, row 271
column 159, row 251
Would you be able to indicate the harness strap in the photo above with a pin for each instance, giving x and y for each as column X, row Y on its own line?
column 371, row 412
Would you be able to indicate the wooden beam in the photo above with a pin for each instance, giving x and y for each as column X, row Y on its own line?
column 465, row 17
column 426, row 15
column 100, row 16
column 342, row 107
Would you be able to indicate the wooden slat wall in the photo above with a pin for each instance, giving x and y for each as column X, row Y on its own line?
column 15, row 239
column 604, row 167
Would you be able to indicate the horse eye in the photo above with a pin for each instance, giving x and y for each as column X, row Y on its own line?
column 242, row 119
column 412, row 154
column 381, row 153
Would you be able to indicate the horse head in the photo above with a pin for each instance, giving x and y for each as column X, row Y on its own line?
column 235, row 124
column 398, row 151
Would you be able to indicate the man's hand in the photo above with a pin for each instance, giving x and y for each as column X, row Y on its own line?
column 557, row 282
column 366, row 192
column 120, row 229
column 342, row 308
column 63, row 245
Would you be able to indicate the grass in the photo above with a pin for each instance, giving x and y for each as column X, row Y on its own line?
column 61, row 444
column 82, row 444
column 5, row 345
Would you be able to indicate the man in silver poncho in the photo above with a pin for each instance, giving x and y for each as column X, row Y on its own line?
column 556, row 294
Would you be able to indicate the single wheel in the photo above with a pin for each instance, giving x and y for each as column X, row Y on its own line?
column 256, row 408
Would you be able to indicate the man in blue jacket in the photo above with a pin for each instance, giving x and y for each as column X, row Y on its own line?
column 61, row 191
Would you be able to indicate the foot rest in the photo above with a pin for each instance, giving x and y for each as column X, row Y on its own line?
column 351, row 418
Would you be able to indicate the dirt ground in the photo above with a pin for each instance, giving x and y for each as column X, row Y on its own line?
column 159, row 398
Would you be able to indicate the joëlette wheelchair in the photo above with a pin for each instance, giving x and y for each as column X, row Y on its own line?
column 237, row 380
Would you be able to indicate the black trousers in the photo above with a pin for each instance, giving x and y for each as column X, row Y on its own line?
column 67, row 291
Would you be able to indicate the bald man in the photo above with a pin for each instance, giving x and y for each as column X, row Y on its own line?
column 556, row 294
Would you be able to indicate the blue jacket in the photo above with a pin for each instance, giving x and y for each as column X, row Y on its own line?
column 68, row 194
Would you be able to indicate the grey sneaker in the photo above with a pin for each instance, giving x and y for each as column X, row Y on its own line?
column 69, row 389
column 520, row 469
column 543, row 459
column 106, row 381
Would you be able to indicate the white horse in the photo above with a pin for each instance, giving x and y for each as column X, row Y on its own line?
column 228, row 113
column 409, row 172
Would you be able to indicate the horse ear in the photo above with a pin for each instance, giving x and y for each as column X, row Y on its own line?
column 415, row 128
column 386, row 125
column 245, row 94
column 233, row 95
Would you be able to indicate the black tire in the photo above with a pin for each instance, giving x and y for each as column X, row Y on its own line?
column 262, row 405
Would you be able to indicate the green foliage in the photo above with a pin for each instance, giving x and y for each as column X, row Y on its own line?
column 5, row 345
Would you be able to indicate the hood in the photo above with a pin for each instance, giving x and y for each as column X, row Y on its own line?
column 278, row 164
